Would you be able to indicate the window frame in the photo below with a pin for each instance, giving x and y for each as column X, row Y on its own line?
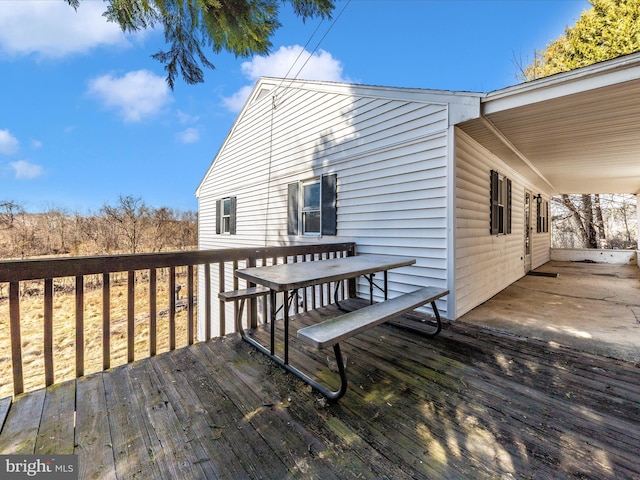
column 307, row 210
column 226, row 215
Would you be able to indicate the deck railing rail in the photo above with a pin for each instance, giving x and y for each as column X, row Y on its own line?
column 226, row 261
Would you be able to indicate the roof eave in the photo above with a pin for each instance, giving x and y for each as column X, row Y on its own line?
column 595, row 76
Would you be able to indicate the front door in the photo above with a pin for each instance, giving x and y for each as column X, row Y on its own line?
column 527, row 231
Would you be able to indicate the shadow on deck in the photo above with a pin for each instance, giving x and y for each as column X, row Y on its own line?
column 470, row 403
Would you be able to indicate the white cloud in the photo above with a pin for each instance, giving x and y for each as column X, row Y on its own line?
column 190, row 135
column 136, row 95
column 293, row 62
column 53, row 29
column 235, row 102
column 8, row 143
column 25, row 170
column 186, row 118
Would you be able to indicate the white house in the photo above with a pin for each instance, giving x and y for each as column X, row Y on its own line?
column 461, row 181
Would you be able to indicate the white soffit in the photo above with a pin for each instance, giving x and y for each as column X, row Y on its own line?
column 578, row 132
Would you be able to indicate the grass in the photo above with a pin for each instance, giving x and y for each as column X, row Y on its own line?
column 64, row 329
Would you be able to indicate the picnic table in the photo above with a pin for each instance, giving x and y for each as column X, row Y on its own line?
column 288, row 278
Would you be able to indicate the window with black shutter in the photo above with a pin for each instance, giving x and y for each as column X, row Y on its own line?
column 542, row 224
column 226, row 215
column 311, row 206
column 500, row 194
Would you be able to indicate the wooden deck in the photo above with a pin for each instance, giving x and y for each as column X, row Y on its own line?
column 468, row 404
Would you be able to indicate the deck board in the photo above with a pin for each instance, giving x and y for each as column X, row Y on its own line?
column 93, row 436
column 56, row 430
column 132, row 449
column 469, row 404
column 20, row 430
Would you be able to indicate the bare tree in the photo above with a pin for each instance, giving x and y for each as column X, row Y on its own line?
column 56, row 229
column 131, row 217
column 8, row 212
column 599, row 221
column 592, row 221
column 188, row 234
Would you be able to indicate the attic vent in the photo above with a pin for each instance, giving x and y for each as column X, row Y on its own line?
column 264, row 91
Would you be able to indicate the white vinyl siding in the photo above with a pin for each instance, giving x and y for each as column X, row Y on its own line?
column 484, row 263
column 390, row 158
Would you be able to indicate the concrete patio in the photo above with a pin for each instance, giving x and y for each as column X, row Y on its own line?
column 593, row 308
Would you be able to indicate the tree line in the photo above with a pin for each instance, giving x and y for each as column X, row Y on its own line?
column 129, row 226
column 595, row 221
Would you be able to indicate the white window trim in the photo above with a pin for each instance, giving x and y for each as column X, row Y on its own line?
column 304, row 210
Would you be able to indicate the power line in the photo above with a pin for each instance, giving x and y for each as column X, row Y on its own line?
column 275, row 104
column 333, row 23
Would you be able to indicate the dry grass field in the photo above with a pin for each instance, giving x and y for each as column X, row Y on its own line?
column 64, row 327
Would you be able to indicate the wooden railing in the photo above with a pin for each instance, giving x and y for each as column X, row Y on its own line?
column 138, row 269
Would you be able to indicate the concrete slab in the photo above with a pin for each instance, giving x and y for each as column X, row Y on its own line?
column 591, row 307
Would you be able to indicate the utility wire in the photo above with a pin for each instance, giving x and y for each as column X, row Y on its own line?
column 275, row 103
column 291, row 80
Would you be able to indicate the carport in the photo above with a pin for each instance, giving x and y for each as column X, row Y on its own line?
column 571, row 133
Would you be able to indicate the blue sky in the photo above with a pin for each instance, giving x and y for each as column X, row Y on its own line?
column 86, row 115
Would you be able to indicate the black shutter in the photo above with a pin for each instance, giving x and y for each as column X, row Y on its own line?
column 218, row 217
column 508, row 206
column 292, row 209
column 232, row 217
column 546, row 217
column 328, row 205
column 494, row 221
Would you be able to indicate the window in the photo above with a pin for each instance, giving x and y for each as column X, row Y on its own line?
column 500, row 220
column 311, row 207
column 542, row 215
column 226, row 216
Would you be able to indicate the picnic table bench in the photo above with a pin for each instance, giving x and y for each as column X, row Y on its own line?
column 331, row 332
column 242, row 295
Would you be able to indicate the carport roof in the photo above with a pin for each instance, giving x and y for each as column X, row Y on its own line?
column 574, row 132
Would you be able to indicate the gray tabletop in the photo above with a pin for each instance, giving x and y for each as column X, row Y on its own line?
column 291, row 276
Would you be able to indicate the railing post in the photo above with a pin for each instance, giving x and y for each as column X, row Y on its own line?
column 236, row 304
column 207, row 300
column 153, row 311
column 222, row 310
column 106, row 321
column 131, row 314
column 79, row 326
column 48, row 332
column 252, row 311
column 190, row 316
column 172, row 308
column 351, row 283
column 16, row 343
